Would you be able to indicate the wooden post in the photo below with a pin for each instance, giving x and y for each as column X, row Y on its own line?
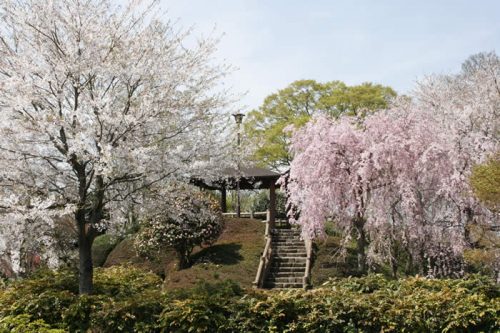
column 238, row 200
column 223, row 201
column 272, row 204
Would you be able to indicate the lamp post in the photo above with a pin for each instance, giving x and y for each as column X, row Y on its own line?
column 238, row 117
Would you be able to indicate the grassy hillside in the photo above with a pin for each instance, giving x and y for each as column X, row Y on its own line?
column 234, row 256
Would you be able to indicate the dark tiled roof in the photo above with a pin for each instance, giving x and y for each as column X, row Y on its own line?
column 251, row 178
column 253, row 172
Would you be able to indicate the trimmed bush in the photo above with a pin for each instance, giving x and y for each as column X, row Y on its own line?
column 24, row 324
column 129, row 300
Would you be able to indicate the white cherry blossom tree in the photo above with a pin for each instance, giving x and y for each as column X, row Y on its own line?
column 98, row 102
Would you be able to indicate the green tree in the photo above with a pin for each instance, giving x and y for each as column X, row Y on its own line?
column 297, row 103
column 485, row 181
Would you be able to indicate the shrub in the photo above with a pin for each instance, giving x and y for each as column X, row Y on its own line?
column 188, row 219
column 127, row 300
column 204, row 308
column 24, row 324
column 102, row 247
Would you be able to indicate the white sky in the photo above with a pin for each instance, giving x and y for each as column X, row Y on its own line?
column 275, row 42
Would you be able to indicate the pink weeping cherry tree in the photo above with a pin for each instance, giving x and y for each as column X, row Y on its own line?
column 397, row 181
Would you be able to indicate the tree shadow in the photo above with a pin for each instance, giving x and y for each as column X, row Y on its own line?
column 220, row 254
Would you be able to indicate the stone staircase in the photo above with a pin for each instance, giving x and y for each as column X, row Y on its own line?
column 288, row 261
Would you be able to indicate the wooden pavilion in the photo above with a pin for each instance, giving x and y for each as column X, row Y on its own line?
column 247, row 178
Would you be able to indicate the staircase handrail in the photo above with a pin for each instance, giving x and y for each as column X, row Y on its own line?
column 265, row 258
column 306, row 282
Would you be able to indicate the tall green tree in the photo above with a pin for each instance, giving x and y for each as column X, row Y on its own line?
column 297, row 103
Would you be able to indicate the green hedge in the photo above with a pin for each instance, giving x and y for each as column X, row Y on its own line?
column 130, row 300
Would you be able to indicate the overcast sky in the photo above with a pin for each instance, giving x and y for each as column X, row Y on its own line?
column 274, row 42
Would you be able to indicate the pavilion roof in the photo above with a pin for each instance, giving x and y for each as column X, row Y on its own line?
column 250, row 178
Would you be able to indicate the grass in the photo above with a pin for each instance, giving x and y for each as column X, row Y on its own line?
column 234, row 256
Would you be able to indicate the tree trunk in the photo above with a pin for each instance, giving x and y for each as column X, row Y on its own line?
column 184, row 255
column 184, row 261
column 361, row 244
column 86, row 267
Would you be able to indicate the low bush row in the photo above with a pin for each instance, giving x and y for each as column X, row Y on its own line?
column 129, row 300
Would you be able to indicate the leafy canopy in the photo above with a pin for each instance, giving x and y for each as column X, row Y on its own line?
column 297, row 103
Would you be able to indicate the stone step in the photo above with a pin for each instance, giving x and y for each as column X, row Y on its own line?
column 282, row 285
column 285, row 280
column 296, row 274
column 289, row 259
column 287, row 243
column 290, row 245
column 286, row 269
column 288, row 255
column 291, row 249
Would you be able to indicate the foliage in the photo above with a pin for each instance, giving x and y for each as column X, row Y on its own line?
column 205, row 308
column 484, row 260
column 103, row 245
column 368, row 304
column 260, row 202
column 126, row 300
column 397, row 182
column 186, row 219
column 23, row 324
column 485, row 180
column 297, row 103
column 100, row 101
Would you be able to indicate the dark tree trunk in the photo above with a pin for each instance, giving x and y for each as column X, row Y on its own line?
column 184, row 256
column 183, row 262
column 89, row 213
column 361, row 243
column 86, row 267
